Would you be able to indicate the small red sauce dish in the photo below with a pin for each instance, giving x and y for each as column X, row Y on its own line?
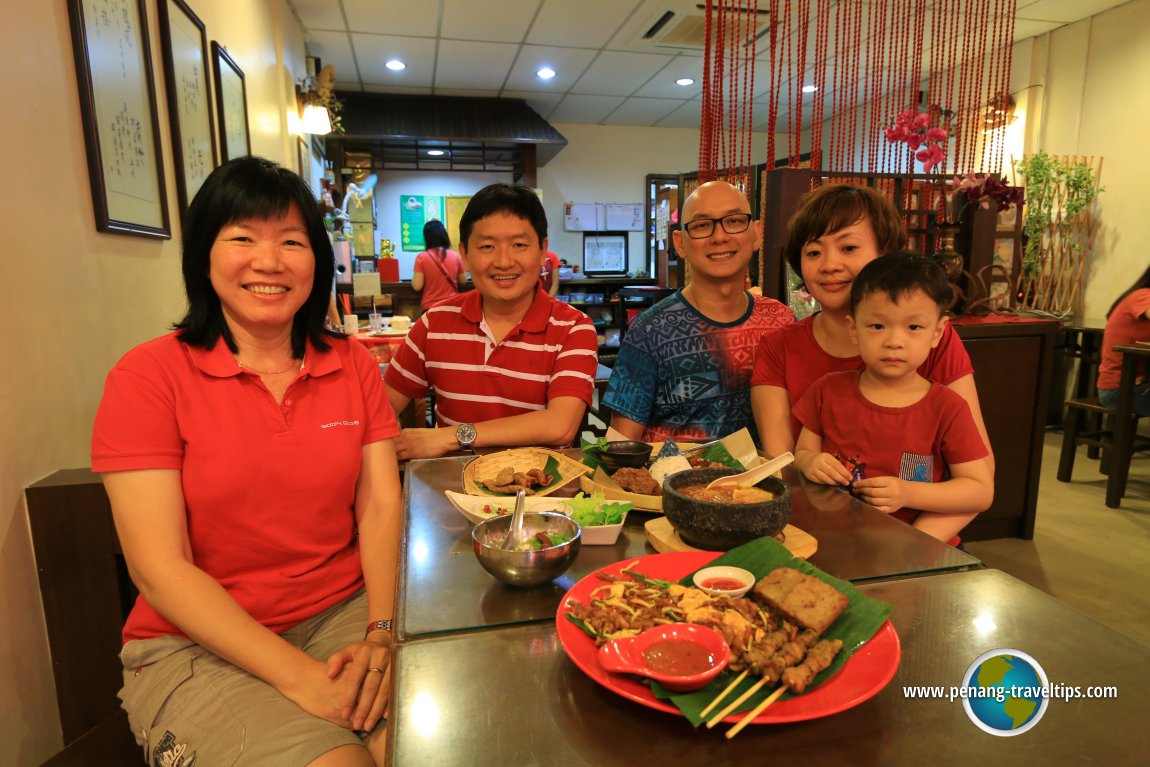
column 724, row 581
column 680, row 656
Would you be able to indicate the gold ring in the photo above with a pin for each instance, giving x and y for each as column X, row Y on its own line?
column 376, row 669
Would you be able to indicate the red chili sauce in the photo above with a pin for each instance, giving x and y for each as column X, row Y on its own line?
column 723, row 584
column 678, row 657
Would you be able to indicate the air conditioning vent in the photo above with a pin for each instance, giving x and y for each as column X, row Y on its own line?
column 687, row 29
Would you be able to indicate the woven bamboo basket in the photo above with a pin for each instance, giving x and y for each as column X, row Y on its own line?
column 478, row 473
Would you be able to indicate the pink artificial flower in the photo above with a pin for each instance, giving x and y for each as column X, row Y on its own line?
column 922, row 121
column 936, row 134
column 913, row 141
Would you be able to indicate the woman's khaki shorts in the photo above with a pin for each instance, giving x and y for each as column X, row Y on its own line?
column 186, row 706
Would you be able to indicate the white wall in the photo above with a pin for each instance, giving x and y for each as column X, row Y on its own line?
column 1094, row 76
column 393, row 185
column 75, row 300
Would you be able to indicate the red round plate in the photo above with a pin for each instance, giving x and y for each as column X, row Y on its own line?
column 868, row 671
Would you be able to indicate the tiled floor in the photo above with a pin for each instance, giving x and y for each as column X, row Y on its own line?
column 1092, row 557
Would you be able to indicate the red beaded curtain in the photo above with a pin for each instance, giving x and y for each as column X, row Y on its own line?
column 728, row 91
column 870, row 61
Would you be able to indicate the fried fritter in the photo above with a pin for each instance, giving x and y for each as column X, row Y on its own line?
column 801, row 598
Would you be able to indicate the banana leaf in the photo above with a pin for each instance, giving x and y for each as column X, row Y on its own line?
column 860, row 620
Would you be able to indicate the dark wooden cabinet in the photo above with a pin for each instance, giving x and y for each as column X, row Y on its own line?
column 1012, row 367
column 600, row 298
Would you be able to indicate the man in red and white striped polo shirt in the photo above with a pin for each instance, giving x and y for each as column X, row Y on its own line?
column 509, row 364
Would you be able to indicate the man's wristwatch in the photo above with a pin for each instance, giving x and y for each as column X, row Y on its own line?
column 465, row 435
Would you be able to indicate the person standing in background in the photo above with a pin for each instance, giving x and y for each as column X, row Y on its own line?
column 549, row 274
column 439, row 271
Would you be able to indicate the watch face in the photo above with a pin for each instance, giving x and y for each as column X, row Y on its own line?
column 465, row 434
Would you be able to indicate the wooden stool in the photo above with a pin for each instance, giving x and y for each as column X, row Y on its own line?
column 1080, row 413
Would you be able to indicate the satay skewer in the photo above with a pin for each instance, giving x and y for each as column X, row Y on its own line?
column 756, row 711
column 726, row 691
column 737, row 702
column 788, row 654
column 795, row 678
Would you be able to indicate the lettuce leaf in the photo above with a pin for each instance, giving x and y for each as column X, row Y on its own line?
column 593, row 510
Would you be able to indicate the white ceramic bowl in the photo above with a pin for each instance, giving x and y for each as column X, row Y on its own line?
column 602, row 535
column 744, row 577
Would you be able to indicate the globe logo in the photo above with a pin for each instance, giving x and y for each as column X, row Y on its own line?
column 1005, row 692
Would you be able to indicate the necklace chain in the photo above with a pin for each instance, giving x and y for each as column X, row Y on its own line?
column 271, row 372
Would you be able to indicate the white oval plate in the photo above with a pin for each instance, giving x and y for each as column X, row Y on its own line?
column 478, row 508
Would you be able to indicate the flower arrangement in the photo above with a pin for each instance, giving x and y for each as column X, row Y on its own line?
column 927, row 142
column 981, row 188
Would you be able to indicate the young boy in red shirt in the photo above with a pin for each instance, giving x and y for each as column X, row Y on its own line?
column 902, row 443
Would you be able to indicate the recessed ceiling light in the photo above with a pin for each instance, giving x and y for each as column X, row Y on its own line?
column 684, row 81
column 395, row 65
column 810, row 88
column 546, row 73
column 435, row 152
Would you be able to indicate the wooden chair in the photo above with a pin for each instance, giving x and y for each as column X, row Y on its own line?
column 597, row 409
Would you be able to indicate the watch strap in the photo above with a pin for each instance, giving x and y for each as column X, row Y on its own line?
column 381, row 625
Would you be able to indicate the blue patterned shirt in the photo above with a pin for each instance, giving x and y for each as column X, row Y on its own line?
column 685, row 376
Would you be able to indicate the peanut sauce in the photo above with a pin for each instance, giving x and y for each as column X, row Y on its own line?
column 678, row 657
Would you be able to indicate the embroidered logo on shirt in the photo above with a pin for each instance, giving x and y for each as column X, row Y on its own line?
column 339, row 423
column 169, row 753
column 916, row 468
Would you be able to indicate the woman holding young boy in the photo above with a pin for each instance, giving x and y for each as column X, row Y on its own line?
column 836, row 231
column 902, row 443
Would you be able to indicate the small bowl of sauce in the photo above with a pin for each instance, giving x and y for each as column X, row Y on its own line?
column 724, row 581
column 679, row 656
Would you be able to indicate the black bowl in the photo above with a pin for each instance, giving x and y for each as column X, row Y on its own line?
column 721, row 526
column 628, row 452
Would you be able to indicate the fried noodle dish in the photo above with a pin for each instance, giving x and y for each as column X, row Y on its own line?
column 774, row 635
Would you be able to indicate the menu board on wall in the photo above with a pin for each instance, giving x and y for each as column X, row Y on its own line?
column 415, row 210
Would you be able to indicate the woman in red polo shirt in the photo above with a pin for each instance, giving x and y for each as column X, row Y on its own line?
column 249, row 462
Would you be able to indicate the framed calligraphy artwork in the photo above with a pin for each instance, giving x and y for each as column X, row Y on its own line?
column 118, row 107
column 231, row 104
column 185, row 45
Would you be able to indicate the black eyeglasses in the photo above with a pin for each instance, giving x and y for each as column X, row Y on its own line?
column 733, row 223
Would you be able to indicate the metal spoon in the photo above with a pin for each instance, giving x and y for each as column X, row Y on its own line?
column 515, row 530
column 755, row 475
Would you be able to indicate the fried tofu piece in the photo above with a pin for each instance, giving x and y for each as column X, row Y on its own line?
column 801, row 598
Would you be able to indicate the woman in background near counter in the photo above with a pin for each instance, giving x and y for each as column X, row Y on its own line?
column 549, row 274
column 1127, row 322
column 439, row 271
column 253, row 481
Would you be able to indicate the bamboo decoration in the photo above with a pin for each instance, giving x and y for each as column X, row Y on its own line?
column 1061, row 225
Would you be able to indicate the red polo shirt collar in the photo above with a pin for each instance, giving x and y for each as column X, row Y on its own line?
column 219, row 362
column 535, row 321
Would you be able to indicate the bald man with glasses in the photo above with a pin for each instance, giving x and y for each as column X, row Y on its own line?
column 684, row 367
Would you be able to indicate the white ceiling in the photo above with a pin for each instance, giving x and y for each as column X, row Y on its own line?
column 606, row 73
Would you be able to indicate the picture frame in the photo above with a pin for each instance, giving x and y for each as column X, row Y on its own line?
column 184, row 40
column 118, row 111
column 231, row 105
column 605, row 254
